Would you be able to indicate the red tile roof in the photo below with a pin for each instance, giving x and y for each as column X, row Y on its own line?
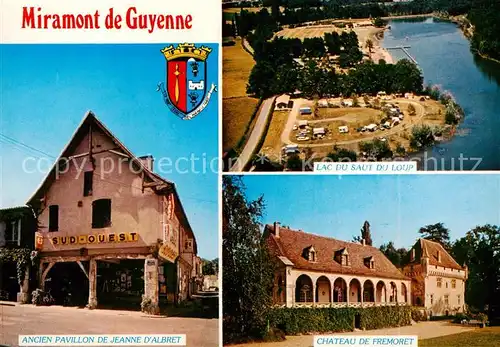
column 291, row 244
column 430, row 249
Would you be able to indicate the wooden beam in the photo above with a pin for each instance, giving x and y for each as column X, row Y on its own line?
column 119, row 153
column 44, row 275
column 111, row 261
column 78, row 155
column 83, row 268
column 63, row 259
column 120, row 256
column 151, row 184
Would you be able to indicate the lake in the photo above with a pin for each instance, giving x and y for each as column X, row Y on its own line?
column 443, row 53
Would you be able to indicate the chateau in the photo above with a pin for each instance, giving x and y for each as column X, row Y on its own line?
column 437, row 280
column 324, row 272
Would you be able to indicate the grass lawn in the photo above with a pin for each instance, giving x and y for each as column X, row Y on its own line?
column 272, row 143
column 478, row 338
column 237, row 106
column 236, row 66
column 236, row 114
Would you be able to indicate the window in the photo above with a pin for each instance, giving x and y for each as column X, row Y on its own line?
column 309, row 253
column 87, row 183
column 345, row 259
column 453, row 284
column 13, row 236
column 438, row 283
column 53, row 218
column 458, row 299
column 446, row 284
column 446, row 300
column 101, row 213
column 432, row 299
column 369, row 262
column 188, row 244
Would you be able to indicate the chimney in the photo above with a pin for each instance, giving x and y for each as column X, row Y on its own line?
column 277, row 229
column 439, row 256
column 363, row 242
column 147, row 161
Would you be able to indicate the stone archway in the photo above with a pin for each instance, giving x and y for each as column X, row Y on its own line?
column 381, row 292
column 340, row 290
column 368, row 291
column 404, row 292
column 354, row 291
column 393, row 292
column 304, row 289
column 323, row 290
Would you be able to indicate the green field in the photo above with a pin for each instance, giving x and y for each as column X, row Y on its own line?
column 478, row 338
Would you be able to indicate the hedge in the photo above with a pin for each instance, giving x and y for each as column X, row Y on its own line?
column 294, row 321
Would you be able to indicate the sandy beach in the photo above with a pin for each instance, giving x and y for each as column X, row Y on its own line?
column 378, row 52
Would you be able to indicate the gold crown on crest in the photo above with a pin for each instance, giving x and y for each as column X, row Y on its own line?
column 186, row 50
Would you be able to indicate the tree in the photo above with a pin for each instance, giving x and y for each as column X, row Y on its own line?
column 480, row 251
column 365, row 234
column 342, row 155
column 396, row 256
column 377, row 149
column 436, row 232
column 379, row 22
column 210, row 267
column 248, row 270
column 259, row 80
column 369, row 45
column 294, row 163
column 411, row 110
column 421, row 137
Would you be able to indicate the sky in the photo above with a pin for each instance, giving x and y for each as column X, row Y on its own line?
column 46, row 90
column 395, row 206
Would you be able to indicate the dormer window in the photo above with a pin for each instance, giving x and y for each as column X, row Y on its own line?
column 342, row 257
column 369, row 262
column 309, row 253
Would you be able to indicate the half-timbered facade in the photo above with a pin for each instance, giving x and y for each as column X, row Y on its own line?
column 117, row 227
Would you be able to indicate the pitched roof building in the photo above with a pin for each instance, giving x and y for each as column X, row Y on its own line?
column 323, row 271
column 103, row 211
column 437, row 280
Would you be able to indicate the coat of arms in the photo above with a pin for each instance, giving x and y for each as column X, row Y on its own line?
column 186, row 86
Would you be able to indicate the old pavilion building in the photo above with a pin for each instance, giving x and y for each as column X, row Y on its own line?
column 110, row 229
column 437, row 280
column 321, row 271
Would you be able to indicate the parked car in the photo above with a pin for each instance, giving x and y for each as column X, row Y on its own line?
column 303, row 138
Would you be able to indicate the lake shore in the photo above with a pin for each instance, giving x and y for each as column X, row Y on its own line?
column 378, row 51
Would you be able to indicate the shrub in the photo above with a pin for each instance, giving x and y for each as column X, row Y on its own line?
column 40, row 297
column 421, row 137
column 147, row 306
column 459, row 317
column 37, row 297
column 418, row 314
column 411, row 110
column 482, row 317
column 294, row 321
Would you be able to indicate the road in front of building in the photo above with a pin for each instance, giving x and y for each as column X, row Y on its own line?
column 424, row 331
column 54, row 320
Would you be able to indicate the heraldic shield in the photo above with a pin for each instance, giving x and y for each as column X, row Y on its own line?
column 186, row 92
